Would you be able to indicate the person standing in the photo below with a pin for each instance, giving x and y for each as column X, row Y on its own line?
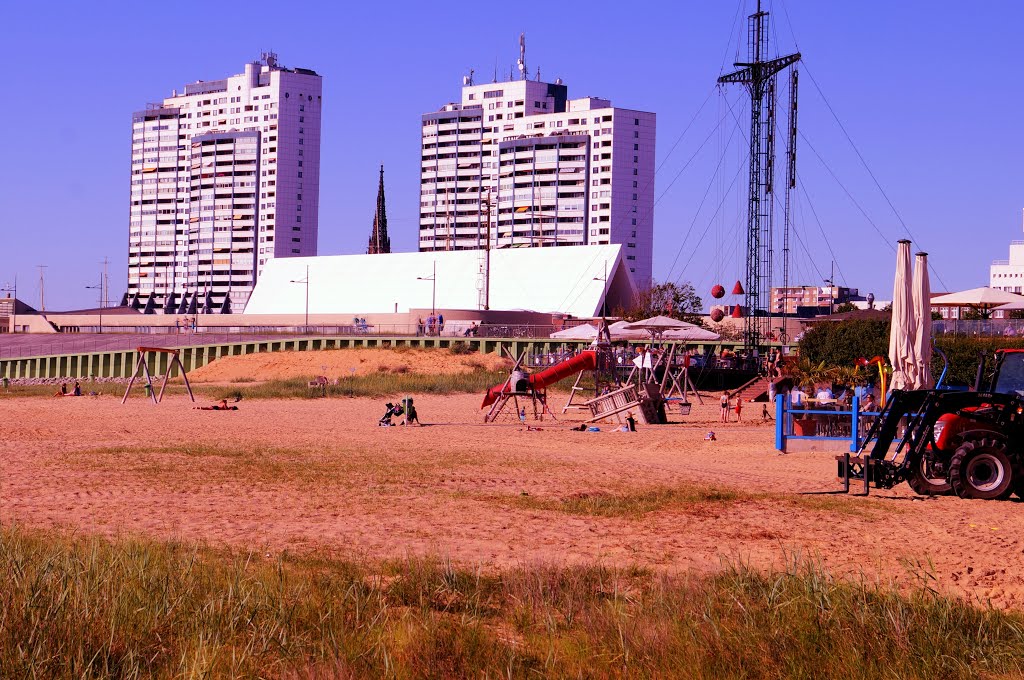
column 440, row 323
column 725, row 407
column 739, row 408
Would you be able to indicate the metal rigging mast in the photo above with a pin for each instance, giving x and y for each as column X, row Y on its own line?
column 758, row 74
column 794, row 76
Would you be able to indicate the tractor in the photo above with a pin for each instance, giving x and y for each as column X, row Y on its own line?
column 970, row 443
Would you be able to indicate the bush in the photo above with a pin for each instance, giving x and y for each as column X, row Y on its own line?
column 842, row 343
column 461, row 348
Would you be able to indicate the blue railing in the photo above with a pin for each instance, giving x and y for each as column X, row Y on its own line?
column 821, row 424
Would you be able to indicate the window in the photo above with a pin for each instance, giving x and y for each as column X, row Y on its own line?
column 295, row 250
column 634, row 197
column 491, row 94
column 636, row 121
column 636, row 134
column 634, row 171
column 636, row 159
column 636, row 147
column 300, row 177
column 634, row 181
column 634, row 224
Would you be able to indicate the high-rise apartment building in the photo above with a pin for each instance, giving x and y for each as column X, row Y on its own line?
column 550, row 170
column 225, row 175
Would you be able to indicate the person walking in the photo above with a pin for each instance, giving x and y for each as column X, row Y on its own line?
column 725, row 407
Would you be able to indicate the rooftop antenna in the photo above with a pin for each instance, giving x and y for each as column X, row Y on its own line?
column 521, row 64
column 468, row 80
column 495, row 70
column 538, row 74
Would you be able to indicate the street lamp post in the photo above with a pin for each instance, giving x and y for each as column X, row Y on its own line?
column 99, row 287
column 305, row 281
column 433, row 288
column 604, row 288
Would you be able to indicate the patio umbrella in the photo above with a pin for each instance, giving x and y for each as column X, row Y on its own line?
column 921, row 377
column 901, row 333
column 581, row 332
column 983, row 299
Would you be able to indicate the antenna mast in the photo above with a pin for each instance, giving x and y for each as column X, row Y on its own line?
column 42, row 298
column 758, row 75
column 524, row 73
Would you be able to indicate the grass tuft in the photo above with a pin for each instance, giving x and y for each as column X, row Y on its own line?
column 79, row 606
column 382, row 383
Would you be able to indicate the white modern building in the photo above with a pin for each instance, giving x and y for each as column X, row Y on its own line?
column 570, row 280
column 225, row 176
column 1008, row 274
column 519, row 164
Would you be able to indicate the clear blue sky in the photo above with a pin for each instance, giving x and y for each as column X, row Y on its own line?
column 930, row 92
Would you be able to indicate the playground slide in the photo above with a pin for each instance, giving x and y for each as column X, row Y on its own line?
column 584, row 361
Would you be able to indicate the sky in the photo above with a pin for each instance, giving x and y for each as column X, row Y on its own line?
column 929, row 93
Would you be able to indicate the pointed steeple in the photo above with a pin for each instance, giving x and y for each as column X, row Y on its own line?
column 379, row 241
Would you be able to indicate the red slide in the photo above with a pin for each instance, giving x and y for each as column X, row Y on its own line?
column 584, row 361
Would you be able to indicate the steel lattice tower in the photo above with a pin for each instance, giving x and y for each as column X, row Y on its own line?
column 758, row 74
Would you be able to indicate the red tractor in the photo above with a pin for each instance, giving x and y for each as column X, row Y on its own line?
column 970, row 443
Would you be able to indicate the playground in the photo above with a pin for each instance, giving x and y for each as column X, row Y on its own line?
column 319, row 477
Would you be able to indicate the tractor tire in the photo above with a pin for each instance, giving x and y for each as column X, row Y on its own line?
column 981, row 469
column 924, row 485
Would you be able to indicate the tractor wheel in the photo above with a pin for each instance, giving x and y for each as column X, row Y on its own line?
column 981, row 469
column 924, row 485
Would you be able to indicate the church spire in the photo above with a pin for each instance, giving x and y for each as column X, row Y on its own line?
column 379, row 241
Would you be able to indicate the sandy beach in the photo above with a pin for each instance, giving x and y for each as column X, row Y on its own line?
column 319, row 476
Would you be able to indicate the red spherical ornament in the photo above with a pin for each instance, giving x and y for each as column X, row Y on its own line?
column 717, row 314
column 717, row 291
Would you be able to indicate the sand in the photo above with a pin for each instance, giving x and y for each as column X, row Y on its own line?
column 319, row 476
column 342, row 363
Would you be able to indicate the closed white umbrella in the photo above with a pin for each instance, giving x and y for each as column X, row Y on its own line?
column 921, row 294
column 901, row 333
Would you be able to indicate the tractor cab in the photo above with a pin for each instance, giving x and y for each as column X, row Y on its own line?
column 1008, row 377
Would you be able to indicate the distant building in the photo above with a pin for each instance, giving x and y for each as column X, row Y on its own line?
column 1008, row 274
column 789, row 300
column 555, row 171
column 225, row 176
column 379, row 240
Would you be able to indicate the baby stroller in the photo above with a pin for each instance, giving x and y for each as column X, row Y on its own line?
column 394, row 410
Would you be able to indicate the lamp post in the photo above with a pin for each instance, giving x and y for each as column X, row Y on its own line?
column 433, row 288
column 305, row 281
column 604, row 288
column 99, row 287
column 14, row 306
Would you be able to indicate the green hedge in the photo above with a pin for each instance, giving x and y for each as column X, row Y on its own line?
column 841, row 343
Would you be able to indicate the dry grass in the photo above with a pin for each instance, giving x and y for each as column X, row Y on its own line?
column 85, row 607
column 689, row 498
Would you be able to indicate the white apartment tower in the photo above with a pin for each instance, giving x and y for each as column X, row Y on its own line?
column 554, row 171
column 225, row 175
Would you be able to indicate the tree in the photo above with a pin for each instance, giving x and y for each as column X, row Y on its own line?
column 666, row 299
column 845, row 307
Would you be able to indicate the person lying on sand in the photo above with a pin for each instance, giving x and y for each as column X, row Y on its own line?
column 221, row 405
